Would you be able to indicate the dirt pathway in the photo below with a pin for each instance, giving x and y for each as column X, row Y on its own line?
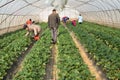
column 95, row 71
column 51, row 67
column 55, row 70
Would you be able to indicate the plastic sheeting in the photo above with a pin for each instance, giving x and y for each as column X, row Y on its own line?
column 16, row 12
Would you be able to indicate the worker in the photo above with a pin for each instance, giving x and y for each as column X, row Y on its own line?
column 33, row 29
column 74, row 22
column 80, row 19
column 64, row 19
column 53, row 24
column 29, row 22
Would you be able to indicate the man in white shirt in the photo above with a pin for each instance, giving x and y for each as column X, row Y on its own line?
column 80, row 19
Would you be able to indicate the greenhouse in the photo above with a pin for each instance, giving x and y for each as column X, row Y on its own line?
column 59, row 39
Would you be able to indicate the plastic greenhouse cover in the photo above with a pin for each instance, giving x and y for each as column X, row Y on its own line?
column 107, row 11
column 25, row 6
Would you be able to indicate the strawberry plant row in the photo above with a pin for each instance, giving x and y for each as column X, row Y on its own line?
column 8, row 38
column 10, row 53
column 104, row 29
column 107, row 36
column 70, row 63
column 105, row 55
column 12, row 45
column 33, row 67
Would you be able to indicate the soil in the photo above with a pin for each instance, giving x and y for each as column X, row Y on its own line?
column 51, row 68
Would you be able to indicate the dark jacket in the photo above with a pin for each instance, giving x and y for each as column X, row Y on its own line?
column 53, row 20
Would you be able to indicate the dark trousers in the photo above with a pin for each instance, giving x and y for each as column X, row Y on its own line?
column 54, row 34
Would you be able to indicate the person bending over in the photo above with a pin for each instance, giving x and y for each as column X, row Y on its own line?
column 33, row 30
